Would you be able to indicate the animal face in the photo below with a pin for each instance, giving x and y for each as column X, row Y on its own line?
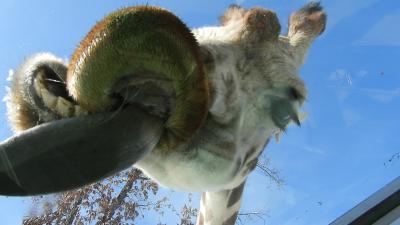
column 142, row 87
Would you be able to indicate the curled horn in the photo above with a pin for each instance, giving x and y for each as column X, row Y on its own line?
column 140, row 80
column 142, row 49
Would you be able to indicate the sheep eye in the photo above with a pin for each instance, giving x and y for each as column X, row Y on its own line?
column 55, row 83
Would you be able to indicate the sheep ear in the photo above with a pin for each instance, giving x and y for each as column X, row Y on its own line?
column 70, row 153
column 25, row 105
column 306, row 24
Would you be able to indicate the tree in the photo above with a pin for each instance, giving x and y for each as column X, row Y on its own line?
column 124, row 198
column 121, row 199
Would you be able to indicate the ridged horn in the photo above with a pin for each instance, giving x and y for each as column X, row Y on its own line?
column 139, row 43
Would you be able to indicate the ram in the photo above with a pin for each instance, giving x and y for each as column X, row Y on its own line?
column 193, row 109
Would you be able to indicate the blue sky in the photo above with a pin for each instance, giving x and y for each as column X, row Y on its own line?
column 341, row 153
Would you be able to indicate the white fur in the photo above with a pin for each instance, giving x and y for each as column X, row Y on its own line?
column 241, row 100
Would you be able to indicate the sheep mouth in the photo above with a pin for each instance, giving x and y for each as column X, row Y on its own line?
column 73, row 148
column 72, row 152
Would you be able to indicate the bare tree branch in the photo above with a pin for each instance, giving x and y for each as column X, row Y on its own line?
column 251, row 216
column 394, row 157
column 264, row 165
column 71, row 217
column 118, row 201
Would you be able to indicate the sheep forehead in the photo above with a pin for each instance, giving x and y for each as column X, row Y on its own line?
column 259, row 64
